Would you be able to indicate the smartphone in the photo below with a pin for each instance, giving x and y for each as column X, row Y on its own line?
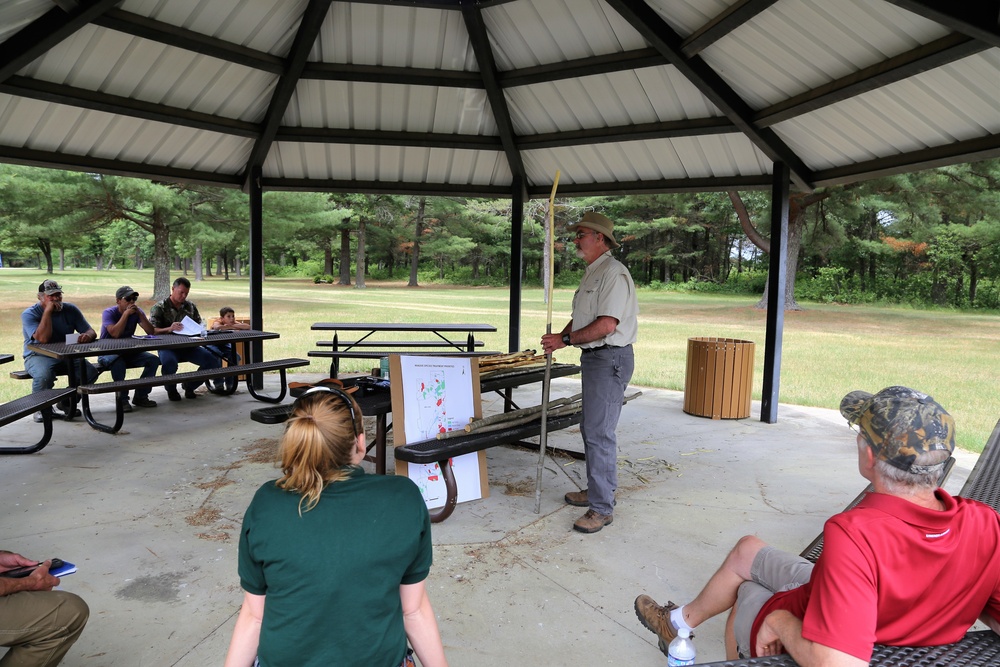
column 58, row 568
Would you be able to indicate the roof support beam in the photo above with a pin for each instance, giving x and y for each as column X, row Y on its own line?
column 736, row 15
column 971, row 150
column 775, row 295
column 480, row 41
column 388, row 74
column 654, row 187
column 926, row 57
column 124, row 106
column 171, row 35
column 663, row 38
column 979, row 20
column 661, row 130
column 573, row 69
column 50, row 160
column 305, row 38
column 43, row 33
column 670, row 129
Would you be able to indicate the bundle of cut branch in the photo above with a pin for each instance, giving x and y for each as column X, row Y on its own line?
column 500, row 362
column 506, row 358
column 516, row 418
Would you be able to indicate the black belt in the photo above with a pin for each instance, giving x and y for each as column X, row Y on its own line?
column 584, row 350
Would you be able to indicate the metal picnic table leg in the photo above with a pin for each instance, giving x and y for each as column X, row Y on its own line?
column 451, row 487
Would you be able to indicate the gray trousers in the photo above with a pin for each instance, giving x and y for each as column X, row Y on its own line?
column 605, row 374
column 40, row 626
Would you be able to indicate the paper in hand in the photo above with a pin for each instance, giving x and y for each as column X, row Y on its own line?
column 190, row 327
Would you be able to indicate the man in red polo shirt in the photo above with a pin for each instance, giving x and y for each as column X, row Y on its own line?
column 909, row 566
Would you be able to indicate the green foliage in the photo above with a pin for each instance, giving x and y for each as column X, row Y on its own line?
column 927, row 238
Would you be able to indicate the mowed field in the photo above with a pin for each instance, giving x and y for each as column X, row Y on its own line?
column 828, row 349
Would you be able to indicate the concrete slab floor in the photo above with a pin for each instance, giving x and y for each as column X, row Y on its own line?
column 151, row 517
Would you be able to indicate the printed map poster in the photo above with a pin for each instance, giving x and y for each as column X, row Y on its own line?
column 431, row 395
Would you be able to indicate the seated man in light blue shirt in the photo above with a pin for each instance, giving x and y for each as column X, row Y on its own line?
column 48, row 321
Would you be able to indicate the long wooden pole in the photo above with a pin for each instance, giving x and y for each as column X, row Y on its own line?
column 543, row 438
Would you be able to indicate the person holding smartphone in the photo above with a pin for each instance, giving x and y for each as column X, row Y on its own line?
column 39, row 625
column 333, row 561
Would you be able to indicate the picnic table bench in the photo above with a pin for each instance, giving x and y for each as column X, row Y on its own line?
column 19, row 408
column 246, row 370
column 440, row 342
column 440, row 451
column 977, row 649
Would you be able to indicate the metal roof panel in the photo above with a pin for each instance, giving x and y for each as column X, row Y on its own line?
column 798, row 45
column 951, row 103
column 525, row 34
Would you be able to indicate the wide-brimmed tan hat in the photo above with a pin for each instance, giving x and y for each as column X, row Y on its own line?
column 599, row 223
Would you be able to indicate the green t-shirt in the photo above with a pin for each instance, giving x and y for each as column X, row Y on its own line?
column 331, row 577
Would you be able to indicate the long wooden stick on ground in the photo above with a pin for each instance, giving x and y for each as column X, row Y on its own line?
column 547, row 381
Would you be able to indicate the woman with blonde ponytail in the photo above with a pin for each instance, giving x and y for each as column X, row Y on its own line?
column 340, row 557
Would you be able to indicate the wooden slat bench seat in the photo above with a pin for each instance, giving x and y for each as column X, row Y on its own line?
column 27, row 405
column 439, row 451
column 280, row 365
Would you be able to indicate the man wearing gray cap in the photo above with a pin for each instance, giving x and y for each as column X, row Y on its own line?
column 909, row 566
column 604, row 326
column 48, row 321
column 121, row 321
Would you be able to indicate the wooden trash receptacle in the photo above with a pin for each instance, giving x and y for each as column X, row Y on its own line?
column 719, row 378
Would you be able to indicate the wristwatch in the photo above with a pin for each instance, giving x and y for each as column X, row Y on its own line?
column 565, row 339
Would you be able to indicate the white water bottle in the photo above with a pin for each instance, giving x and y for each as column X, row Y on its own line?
column 681, row 649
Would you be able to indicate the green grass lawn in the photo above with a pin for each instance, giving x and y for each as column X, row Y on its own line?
column 828, row 349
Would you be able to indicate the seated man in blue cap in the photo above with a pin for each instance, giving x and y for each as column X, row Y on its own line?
column 910, row 565
column 121, row 321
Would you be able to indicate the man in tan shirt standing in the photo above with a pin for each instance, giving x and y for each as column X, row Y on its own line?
column 604, row 326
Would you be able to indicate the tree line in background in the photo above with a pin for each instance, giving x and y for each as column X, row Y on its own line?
column 926, row 238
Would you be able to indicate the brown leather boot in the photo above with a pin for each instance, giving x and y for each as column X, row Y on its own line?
column 656, row 619
column 577, row 498
column 592, row 521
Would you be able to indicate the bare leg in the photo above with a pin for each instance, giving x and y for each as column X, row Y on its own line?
column 719, row 594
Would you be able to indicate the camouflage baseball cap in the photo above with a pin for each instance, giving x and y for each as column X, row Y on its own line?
column 50, row 287
column 901, row 424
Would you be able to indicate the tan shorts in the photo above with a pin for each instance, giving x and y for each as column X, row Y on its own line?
column 772, row 571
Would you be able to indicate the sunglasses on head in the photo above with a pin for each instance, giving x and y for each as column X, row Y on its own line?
column 338, row 393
